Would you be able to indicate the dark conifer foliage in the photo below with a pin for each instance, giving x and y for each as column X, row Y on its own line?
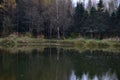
column 78, row 18
column 118, row 22
column 49, row 18
column 92, row 23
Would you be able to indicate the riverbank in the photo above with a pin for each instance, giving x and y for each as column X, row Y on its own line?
column 78, row 42
column 16, row 43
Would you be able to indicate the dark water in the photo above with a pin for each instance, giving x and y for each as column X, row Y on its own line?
column 59, row 64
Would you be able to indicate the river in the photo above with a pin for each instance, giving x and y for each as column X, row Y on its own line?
column 59, row 64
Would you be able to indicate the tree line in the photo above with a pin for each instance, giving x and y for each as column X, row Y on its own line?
column 58, row 19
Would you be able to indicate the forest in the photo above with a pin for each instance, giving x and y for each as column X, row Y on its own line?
column 59, row 19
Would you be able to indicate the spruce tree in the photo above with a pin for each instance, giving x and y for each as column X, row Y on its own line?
column 78, row 18
column 118, row 22
column 96, row 23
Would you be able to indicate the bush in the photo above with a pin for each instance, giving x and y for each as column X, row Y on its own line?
column 7, row 43
column 80, row 43
column 91, row 44
column 13, row 36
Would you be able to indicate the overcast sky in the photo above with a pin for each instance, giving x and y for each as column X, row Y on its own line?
column 86, row 1
column 74, row 1
column 106, row 2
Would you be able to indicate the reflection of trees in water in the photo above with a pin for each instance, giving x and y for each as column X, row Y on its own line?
column 105, row 76
column 36, row 65
column 59, row 64
column 51, row 68
column 96, row 63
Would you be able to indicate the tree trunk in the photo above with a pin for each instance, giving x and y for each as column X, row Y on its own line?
column 50, row 33
column 58, row 32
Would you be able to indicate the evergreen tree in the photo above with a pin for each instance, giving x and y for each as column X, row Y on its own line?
column 103, row 19
column 100, row 4
column 78, row 18
column 96, row 23
column 114, row 24
column 118, row 22
column 21, row 19
column 90, row 25
column 89, row 6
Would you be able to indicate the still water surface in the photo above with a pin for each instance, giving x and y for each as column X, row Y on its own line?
column 59, row 64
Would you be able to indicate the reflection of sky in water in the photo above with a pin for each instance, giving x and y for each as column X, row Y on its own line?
column 73, row 76
column 85, row 76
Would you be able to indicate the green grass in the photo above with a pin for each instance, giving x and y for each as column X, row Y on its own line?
column 79, row 43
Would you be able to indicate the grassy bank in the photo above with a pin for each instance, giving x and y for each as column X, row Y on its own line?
column 79, row 43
